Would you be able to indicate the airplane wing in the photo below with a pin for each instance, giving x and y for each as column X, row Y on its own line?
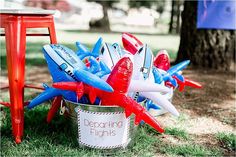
column 178, row 67
column 92, row 80
column 161, row 100
column 146, row 86
column 180, row 77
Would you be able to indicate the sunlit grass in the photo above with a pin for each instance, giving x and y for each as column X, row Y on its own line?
column 190, row 150
column 180, row 133
column 227, row 140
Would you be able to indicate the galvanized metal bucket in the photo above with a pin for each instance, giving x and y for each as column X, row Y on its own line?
column 101, row 127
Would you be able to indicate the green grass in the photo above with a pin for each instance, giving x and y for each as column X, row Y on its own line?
column 34, row 54
column 57, row 138
column 190, row 150
column 180, row 133
column 227, row 140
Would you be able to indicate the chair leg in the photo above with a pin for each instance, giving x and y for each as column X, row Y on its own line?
column 15, row 45
column 52, row 33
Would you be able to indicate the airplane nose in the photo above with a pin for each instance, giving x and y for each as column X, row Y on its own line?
column 92, row 80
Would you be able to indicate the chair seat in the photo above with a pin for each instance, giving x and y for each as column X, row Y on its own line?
column 27, row 11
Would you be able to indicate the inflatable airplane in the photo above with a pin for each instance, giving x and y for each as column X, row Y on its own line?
column 64, row 65
column 119, row 79
column 171, row 76
column 161, row 61
column 142, row 83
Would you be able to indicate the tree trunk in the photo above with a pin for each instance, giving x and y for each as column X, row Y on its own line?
column 205, row 48
column 172, row 16
column 105, row 19
column 102, row 24
column 178, row 17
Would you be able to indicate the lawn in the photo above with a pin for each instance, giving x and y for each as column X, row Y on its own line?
column 56, row 139
column 205, row 127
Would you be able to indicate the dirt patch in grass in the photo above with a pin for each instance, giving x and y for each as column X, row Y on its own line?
column 216, row 99
column 206, row 111
column 207, row 140
column 173, row 140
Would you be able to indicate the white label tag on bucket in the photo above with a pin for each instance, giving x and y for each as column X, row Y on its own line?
column 104, row 130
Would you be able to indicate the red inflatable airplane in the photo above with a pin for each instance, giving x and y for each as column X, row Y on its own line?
column 119, row 80
column 162, row 61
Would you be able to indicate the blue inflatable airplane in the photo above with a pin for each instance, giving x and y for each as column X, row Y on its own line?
column 66, row 66
column 173, row 71
column 167, row 76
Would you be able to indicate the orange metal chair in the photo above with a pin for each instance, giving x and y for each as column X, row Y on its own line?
column 15, row 25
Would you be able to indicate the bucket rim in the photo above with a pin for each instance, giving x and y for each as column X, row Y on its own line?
column 95, row 106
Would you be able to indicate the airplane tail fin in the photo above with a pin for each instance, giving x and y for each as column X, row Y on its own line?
column 169, row 78
column 92, row 95
column 84, row 52
column 162, row 60
column 181, row 84
column 192, row 83
column 47, row 94
column 96, row 47
column 79, row 88
column 149, row 104
column 141, row 114
column 131, row 43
